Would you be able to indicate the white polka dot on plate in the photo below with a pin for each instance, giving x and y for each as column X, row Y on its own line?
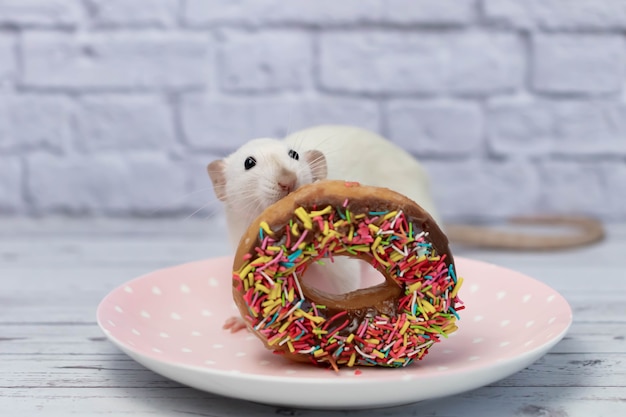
column 206, row 313
column 504, row 344
column 240, row 354
column 527, row 298
column 213, row 282
column 264, row 363
column 478, row 340
column 119, row 309
column 196, row 333
column 217, row 346
column 136, row 332
column 128, row 289
column 175, row 316
column 209, row 362
column 505, row 323
column 156, row 290
column 111, row 323
column 250, row 337
column 530, row 323
column 550, row 298
column 185, row 289
column 185, row 350
column 552, row 320
column 157, row 350
column 291, row 371
column 530, row 342
column 478, row 318
column 473, row 358
column 474, row 288
column 145, row 314
column 500, row 295
column 164, row 335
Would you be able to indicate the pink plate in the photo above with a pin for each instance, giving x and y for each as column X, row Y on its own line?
column 171, row 322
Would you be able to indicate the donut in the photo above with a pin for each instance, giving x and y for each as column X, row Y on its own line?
column 391, row 324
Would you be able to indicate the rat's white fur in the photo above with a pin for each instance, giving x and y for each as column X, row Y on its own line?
column 355, row 154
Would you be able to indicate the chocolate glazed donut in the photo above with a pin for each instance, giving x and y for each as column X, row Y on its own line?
column 391, row 324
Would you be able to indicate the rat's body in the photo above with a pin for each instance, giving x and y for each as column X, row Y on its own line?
column 355, row 154
column 351, row 154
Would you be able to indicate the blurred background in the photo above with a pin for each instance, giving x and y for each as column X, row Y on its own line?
column 115, row 107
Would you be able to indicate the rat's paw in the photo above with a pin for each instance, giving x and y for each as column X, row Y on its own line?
column 234, row 324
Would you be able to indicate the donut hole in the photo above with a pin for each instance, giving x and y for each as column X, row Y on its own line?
column 370, row 277
column 320, row 276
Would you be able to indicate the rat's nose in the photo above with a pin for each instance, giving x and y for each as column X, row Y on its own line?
column 287, row 180
column 288, row 186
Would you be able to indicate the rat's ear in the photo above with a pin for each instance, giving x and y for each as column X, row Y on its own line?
column 317, row 162
column 218, row 178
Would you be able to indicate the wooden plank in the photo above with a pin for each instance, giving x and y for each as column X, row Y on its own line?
column 593, row 337
column 606, row 253
column 132, row 251
column 148, row 401
column 553, row 370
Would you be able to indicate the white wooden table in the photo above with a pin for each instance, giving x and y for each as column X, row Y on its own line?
column 54, row 360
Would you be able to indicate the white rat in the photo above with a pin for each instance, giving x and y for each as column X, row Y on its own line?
column 264, row 170
column 354, row 154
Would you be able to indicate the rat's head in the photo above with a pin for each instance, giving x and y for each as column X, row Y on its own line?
column 262, row 172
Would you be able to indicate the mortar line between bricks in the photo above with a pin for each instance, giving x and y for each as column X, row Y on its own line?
column 74, row 91
column 17, row 55
column 383, row 119
column 577, row 31
column 107, row 28
column 173, row 102
column 482, row 19
column 555, row 96
column 179, row 20
column 484, row 148
column 25, row 192
column 341, row 27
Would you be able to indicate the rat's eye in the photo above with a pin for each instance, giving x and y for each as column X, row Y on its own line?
column 293, row 154
column 249, row 163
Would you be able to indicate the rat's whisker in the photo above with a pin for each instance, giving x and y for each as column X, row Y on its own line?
column 165, row 204
column 204, row 206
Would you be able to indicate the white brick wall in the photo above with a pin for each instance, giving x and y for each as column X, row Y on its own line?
column 8, row 64
column 115, row 107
